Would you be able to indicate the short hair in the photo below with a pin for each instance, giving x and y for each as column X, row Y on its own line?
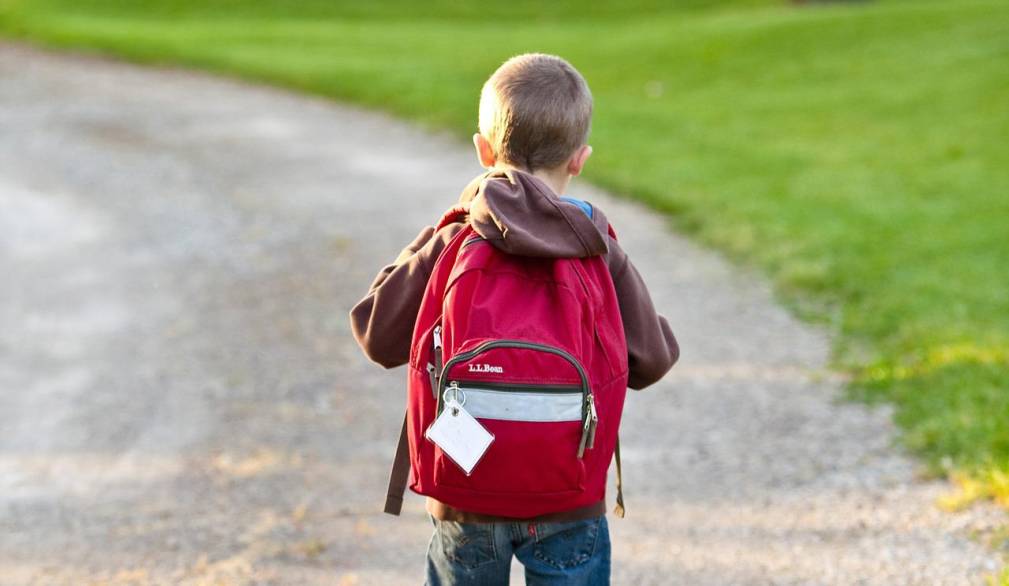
column 535, row 111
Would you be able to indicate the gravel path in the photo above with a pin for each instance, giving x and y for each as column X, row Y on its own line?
column 181, row 401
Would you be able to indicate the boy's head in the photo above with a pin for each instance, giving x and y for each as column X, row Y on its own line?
column 535, row 114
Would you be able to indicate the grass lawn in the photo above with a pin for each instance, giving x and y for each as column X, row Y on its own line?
column 857, row 152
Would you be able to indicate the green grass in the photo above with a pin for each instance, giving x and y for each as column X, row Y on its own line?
column 856, row 152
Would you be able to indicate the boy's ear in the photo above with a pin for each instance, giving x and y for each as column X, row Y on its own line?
column 484, row 151
column 578, row 160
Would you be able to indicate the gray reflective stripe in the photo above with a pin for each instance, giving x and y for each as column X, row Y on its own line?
column 522, row 405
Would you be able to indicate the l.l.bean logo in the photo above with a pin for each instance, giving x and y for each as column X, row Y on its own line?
column 474, row 367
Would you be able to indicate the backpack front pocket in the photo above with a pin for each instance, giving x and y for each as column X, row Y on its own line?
column 540, row 429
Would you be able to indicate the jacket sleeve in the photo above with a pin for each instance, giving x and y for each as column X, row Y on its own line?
column 383, row 321
column 651, row 347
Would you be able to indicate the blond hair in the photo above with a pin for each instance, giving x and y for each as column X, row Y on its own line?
column 535, row 111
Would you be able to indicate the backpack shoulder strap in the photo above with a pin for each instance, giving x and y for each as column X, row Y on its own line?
column 399, row 476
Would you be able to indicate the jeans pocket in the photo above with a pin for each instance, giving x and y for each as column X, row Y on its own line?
column 568, row 544
column 467, row 545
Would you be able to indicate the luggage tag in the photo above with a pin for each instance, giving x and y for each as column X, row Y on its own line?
column 458, row 433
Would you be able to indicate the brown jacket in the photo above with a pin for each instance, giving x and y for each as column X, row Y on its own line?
column 520, row 214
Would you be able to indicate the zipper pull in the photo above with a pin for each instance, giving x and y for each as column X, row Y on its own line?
column 588, row 428
column 593, row 420
column 434, row 379
column 585, row 437
column 436, row 373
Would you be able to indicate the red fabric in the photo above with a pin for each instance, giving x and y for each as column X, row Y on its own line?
column 478, row 293
column 454, row 214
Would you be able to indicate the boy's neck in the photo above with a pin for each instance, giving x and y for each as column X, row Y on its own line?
column 557, row 180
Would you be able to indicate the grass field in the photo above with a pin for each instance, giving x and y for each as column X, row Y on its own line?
column 858, row 153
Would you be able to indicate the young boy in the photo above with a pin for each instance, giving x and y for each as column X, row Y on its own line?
column 535, row 113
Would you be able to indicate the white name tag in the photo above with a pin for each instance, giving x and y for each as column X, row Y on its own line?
column 459, row 435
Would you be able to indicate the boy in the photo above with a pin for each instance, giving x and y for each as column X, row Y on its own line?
column 535, row 113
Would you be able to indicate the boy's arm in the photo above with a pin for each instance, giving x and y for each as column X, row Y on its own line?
column 651, row 347
column 383, row 321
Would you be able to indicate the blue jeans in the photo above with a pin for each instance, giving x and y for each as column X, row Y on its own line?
column 554, row 554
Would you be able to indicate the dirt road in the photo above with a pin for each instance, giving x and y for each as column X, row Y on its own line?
column 181, row 401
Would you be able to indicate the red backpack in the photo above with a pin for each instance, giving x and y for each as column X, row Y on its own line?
column 535, row 350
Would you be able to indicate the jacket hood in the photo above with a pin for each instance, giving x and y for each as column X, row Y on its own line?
column 520, row 214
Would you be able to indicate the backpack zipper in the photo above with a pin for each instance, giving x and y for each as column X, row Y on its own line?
column 547, row 388
column 589, row 416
